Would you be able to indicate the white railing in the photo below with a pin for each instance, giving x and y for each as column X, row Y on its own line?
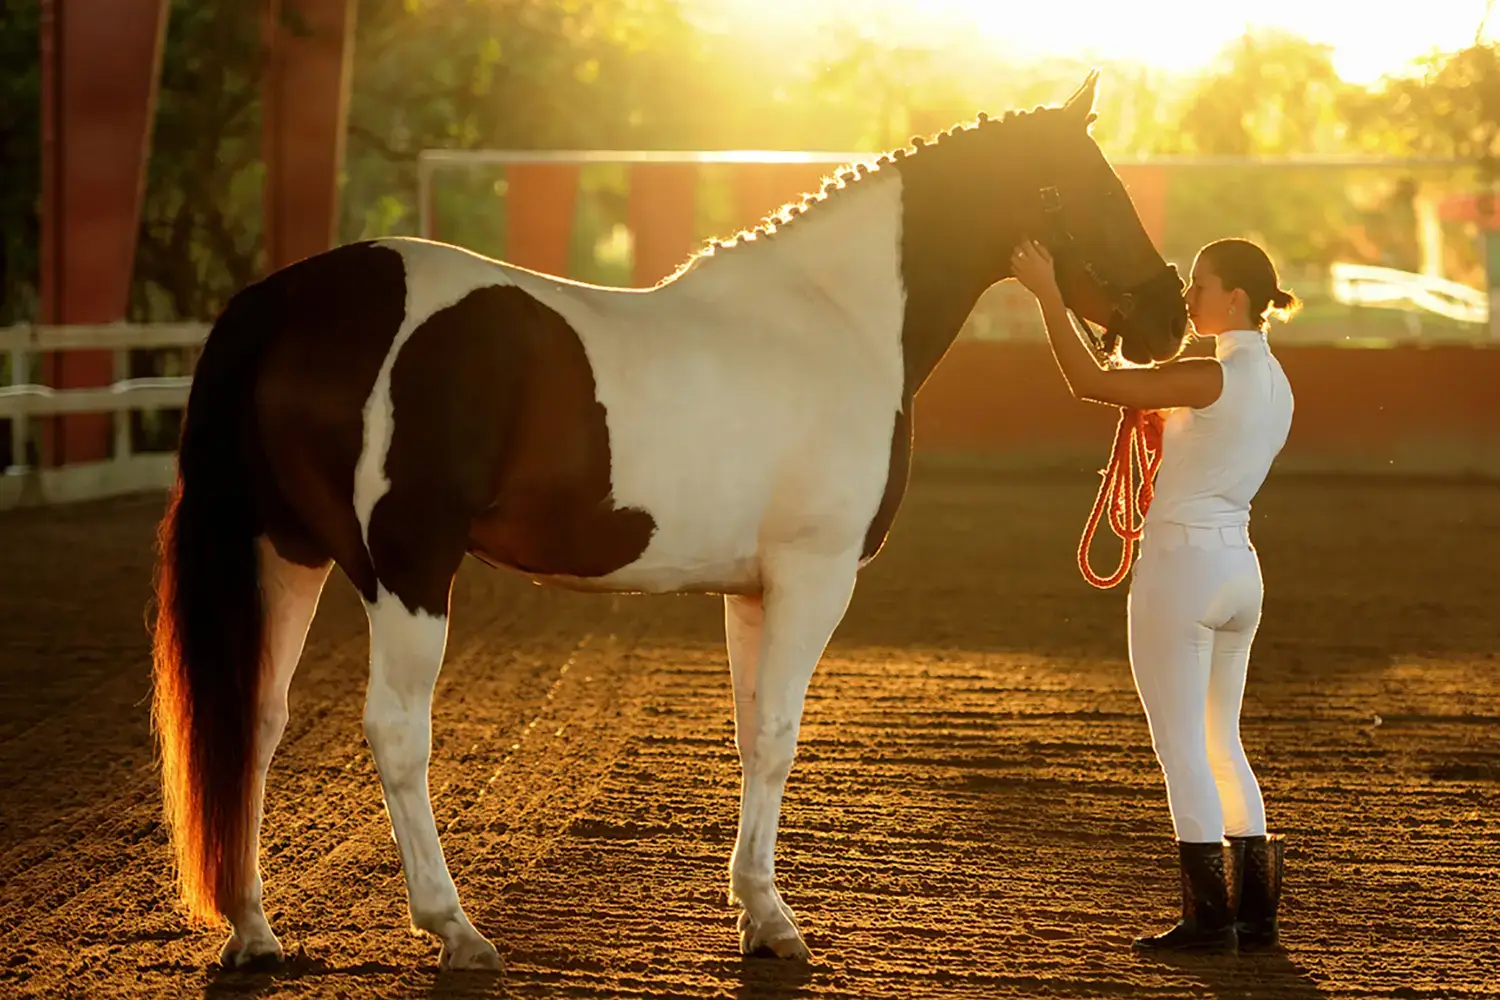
column 1368, row 285
column 20, row 403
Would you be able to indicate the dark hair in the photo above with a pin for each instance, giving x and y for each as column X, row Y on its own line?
column 1241, row 264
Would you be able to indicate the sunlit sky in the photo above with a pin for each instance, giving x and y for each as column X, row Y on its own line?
column 1170, row 34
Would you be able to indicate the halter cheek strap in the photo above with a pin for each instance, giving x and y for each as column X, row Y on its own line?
column 1059, row 240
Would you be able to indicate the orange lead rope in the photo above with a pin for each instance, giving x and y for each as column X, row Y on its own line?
column 1137, row 444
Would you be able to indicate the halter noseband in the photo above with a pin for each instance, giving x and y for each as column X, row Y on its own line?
column 1061, row 243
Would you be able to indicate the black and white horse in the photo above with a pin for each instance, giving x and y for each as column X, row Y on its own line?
column 743, row 428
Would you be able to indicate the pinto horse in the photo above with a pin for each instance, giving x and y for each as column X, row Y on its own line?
column 742, row 429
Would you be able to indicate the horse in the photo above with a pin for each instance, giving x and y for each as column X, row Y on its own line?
column 743, row 429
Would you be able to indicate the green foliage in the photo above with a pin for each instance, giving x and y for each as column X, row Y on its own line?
column 1275, row 93
column 515, row 74
column 1272, row 94
column 20, row 155
column 1451, row 109
column 200, row 222
column 532, row 74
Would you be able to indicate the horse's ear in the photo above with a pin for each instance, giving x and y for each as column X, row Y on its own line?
column 1081, row 104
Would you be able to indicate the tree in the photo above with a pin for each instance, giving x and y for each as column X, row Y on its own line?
column 1452, row 108
column 527, row 74
column 1276, row 94
column 21, row 153
column 200, row 219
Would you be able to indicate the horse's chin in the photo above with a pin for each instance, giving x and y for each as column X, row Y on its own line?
column 1153, row 345
column 1133, row 349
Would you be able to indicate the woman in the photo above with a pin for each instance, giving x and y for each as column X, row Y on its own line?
column 1195, row 598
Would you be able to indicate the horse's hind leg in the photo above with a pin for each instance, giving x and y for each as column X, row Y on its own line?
column 290, row 594
column 406, row 651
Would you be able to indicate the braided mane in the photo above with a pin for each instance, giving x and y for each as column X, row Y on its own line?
column 847, row 177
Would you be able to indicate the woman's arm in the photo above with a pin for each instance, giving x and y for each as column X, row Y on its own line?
column 1194, row 382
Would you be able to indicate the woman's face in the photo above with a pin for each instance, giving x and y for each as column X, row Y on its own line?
column 1211, row 309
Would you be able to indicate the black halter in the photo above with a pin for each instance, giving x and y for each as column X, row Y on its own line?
column 1060, row 242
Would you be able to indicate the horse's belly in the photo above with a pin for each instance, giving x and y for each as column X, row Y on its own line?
column 707, row 545
column 730, row 577
column 666, row 544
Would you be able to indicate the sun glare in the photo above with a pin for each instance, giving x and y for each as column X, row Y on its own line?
column 1178, row 35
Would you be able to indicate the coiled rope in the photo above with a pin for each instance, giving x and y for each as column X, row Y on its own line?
column 1137, row 446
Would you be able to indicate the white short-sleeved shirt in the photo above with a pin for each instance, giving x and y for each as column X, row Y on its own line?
column 1214, row 459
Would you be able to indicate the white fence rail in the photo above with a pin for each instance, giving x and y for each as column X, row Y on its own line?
column 23, row 401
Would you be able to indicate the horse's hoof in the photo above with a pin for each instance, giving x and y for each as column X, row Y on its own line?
column 474, row 955
column 784, row 941
column 793, row 948
column 255, row 955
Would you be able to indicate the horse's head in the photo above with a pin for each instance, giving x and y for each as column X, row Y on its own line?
column 1109, row 271
column 1039, row 175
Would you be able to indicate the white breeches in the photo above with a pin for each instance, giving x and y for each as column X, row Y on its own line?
column 1194, row 605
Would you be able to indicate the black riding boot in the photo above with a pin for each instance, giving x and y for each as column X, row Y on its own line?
column 1260, row 862
column 1207, row 923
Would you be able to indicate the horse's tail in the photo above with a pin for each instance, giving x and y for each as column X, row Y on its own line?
column 209, row 627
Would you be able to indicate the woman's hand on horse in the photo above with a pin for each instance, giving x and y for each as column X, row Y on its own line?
column 1032, row 265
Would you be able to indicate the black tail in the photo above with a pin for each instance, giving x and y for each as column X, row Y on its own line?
column 209, row 623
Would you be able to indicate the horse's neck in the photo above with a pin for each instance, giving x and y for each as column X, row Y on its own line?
column 838, row 264
column 849, row 250
column 945, row 265
column 847, row 256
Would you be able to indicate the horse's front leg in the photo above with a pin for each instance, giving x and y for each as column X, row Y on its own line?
column 775, row 643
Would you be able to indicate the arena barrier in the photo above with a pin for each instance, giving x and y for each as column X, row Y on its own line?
column 1404, row 410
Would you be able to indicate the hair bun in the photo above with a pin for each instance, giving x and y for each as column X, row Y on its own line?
column 1285, row 304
